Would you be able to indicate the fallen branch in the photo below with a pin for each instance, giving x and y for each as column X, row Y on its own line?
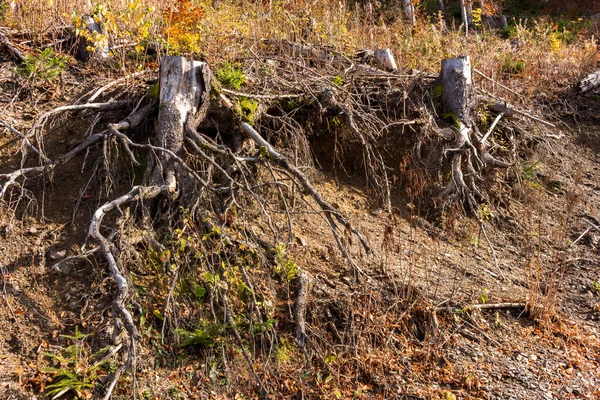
column 15, row 52
column 303, row 282
column 502, row 106
column 580, row 236
column 497, row 83
column 261, row 96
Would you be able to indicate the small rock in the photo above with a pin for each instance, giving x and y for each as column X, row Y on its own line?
column 33, row 230
column 55, row 254
column 301, row 241
column 533, row 357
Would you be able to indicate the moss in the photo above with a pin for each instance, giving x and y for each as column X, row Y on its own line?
column 437, row 91
column 452, row 118
column 247, row 109
column 154, row 91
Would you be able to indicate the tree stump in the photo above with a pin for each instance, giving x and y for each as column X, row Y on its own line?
column 183, row 102
column 469, row 150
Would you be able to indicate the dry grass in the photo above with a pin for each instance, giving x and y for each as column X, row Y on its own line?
column 537, row 60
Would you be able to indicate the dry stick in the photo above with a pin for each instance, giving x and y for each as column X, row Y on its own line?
column 581, row 236
column 261, row 96
column 27, row 142
column 497, row 83
column 491, row 306
column 487, row 239
column 590, row 223
column 509, row 108
column 325, row 206
column 99, row 91
column 489, row 132
column 16, row 52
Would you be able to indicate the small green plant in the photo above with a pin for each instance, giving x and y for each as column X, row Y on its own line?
column 486, row 213
column 338, row 80
column 205, row 335
column 285, row 267
column 485, row 296
column 232, row 76
column 529, row 171
column 284, row 351
column 512, row 65
column 74, row 373
column 44, row 66
column 596, row 286
column 510, row 32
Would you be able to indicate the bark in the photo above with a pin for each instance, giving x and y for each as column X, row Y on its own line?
column 456, row 74
column 184, row 86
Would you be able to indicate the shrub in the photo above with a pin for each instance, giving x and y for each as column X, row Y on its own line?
column 232, row 76
column 45, row 66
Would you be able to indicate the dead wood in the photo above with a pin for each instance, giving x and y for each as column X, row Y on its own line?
column 589, row 83
column 469, row 151
column 11, row 48
column 184, row 85
column 303, row 282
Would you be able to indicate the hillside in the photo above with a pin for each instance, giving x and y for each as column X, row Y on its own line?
column 240, row 200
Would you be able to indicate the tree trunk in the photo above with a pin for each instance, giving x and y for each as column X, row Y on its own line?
column 464, row 16
column 184, row 87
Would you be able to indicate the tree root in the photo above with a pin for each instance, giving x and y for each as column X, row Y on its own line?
column 331, row 214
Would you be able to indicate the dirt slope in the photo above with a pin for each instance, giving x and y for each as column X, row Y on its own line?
column 550, row 351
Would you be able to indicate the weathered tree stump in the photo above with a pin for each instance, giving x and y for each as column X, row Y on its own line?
column 494, row 22
column 183, row 102
column 469, row 150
